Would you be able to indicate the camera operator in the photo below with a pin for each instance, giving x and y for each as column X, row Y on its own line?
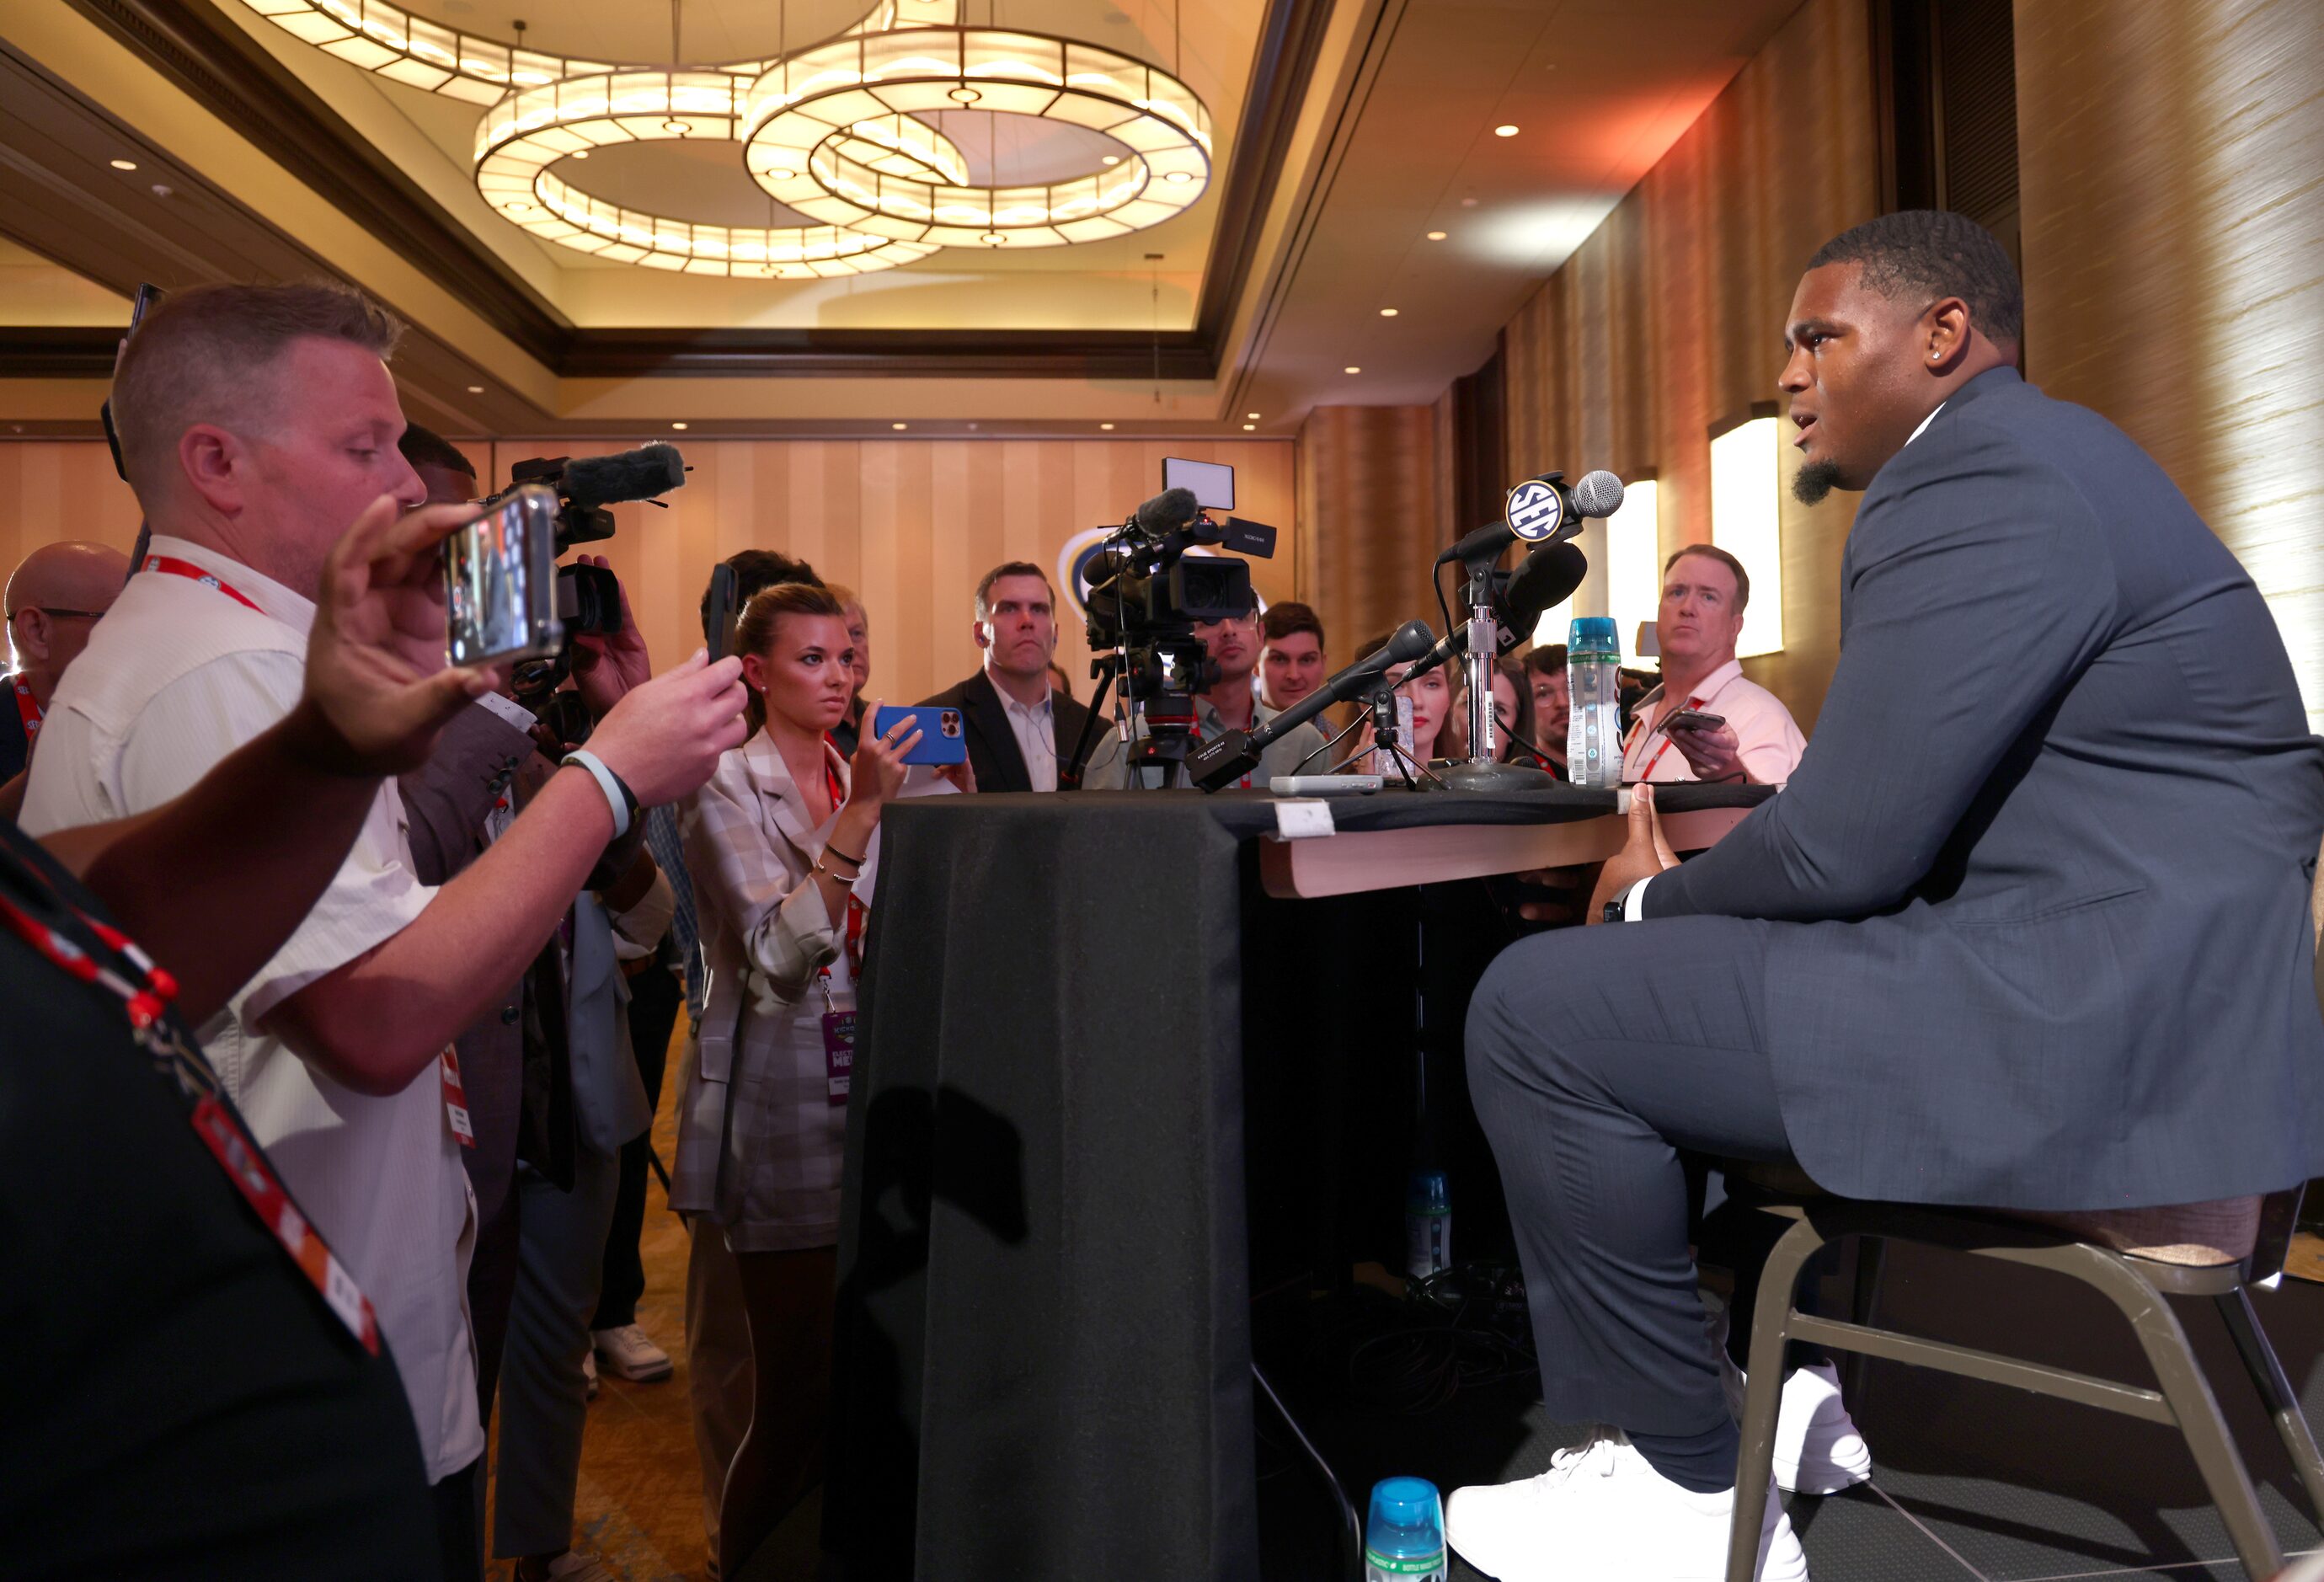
column 1230, row 703
column 187, row 1353
column 254, row 421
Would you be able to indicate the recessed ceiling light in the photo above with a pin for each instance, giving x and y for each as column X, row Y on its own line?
column 1111, row 159
column 1252, row 416
column 1436, row 235
column 1387, row 312
column 1247, row 427
column 578, row 154
column 476, row 389
column 1352, row 368
column 677, row 425
column 1468, row 203
column 1106, row 425
column 1505, row 130
column 898, row 426
column 124, row 164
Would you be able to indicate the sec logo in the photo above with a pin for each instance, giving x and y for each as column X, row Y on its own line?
column 1534, row 511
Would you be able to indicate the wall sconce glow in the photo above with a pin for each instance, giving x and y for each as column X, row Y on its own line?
column 1634, row 560
column 1747, row 521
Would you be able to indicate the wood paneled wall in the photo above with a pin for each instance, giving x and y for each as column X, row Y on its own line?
column 910, row 525
column 1669, row 319
column 1374, row 491
column 2168, row 159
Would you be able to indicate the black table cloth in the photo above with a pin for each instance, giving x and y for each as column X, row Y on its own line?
column 1042, row 1353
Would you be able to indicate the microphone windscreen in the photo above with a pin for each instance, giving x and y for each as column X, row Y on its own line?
column 1170, row 508
column 629, row 475
column 1598, row 494
column 1545, row 579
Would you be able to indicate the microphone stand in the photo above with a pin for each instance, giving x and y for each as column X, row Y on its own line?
column 1483, row 772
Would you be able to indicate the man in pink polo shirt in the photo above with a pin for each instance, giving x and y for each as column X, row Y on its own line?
column 1705, row 590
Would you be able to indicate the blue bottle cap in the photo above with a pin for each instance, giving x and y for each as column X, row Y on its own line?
column 1596, row 633
column 1428, row 1192
column 1406, row 1530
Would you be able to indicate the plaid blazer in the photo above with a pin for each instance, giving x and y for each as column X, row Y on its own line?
column 751, row 851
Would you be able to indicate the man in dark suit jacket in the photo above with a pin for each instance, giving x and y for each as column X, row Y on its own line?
column 1020, row 728
column 2028, row 928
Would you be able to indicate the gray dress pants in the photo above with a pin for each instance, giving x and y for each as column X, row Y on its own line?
column 1594, row 1055
column 544, row 1395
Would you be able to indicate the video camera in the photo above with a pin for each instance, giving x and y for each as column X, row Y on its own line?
column 1146, row 593
column 588, row 597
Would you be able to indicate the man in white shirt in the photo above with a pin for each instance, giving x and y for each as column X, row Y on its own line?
column 1705, row 591
column 256, row 422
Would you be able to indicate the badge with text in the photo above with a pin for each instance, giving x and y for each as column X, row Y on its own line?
column 838, row 1053
column 1534, row 511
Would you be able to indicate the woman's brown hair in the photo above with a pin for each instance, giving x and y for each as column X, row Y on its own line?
column 754, row 630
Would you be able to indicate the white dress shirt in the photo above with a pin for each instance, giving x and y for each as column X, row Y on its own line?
column 1036, row 729
column 176, row 677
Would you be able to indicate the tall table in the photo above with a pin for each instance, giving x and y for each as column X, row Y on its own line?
column 1043, row 1352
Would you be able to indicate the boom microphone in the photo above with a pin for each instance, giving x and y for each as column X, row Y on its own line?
column 1169, row 510
column 1220, row 763
column 631, row 474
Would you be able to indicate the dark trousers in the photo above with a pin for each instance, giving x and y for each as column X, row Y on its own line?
column 1594, row 1056
column 655, row 995
column 458, row 1496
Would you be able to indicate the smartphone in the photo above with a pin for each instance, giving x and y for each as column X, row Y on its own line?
column 500, row 582
column 1693, row 719
column 941, row 741
column 718, row 620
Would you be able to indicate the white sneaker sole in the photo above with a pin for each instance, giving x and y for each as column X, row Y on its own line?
column 1825, row 1474
column 651, row 1375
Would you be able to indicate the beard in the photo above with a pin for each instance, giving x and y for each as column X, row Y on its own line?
column 1813, row 481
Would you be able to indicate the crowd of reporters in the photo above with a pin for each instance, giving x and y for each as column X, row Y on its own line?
column 427, row 939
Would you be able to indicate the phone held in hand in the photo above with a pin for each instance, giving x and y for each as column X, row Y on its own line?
column 1693, row 719
column 500, row 583
column 940, row 742
column 718, row 620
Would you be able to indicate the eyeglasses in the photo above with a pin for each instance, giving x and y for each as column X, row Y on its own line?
column 52, row 612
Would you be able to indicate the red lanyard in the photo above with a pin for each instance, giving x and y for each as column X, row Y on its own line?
column 28, row 708
column 217, row 1126
column 1648, row 771
column 857, row 914
column 170, row 566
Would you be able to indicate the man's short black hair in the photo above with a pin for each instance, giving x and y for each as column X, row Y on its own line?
column 1548, row 659
column 427, row 448
column 1933, row 253
column 1288, row 618
column 758, row 569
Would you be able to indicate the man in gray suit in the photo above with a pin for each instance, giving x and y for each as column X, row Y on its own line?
column 2028, row 928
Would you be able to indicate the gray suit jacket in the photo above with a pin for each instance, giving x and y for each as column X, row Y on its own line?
column 2042, row 880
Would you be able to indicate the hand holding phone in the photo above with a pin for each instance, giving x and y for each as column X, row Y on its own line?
column 941, row 740
column 1693, row 719
column 500, row 583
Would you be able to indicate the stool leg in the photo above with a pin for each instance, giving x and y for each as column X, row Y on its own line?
column 1871, row 1263
column 2189, row 1392
column 1771, row 1323
column 2275, row 1390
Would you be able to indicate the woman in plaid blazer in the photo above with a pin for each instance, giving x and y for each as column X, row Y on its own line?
column 779, row 843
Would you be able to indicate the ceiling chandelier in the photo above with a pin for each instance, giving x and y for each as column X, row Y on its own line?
column 832, row 130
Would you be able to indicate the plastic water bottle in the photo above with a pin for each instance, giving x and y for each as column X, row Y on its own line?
column 1427, row 1225
column 1403, row 1539
column 1593, row 731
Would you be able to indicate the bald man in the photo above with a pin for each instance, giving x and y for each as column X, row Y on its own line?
column 53, row 597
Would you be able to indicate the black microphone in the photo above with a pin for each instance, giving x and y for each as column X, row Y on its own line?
column 629, row 475
column 1219, row 764
column 1542, row 581
column 1598, row 494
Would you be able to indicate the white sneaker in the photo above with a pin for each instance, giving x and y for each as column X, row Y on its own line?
column 629, row 1354
column 589, row 1372
column 1602, row 1510
column 1818, row 1451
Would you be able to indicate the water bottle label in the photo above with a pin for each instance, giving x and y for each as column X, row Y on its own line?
column 1405, row 1565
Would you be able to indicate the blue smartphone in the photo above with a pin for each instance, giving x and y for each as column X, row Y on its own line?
column 941, row 741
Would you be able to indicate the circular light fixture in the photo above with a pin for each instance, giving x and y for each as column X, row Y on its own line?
column 1352, row 368
column 1110, row 161
column 1387, row 312
column 1505, row 132
column 123, row 165
column 798, row 114
column 677, row 425
column 1436, row 235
